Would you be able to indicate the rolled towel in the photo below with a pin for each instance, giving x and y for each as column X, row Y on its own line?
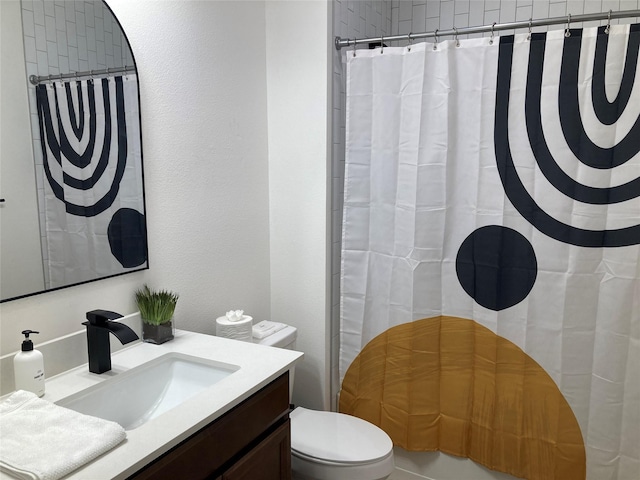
column 234, row 329
column 42, row 441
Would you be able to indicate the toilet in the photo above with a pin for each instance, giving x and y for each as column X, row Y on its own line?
column 330, row 445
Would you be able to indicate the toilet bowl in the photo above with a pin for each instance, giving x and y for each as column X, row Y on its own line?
column 330, row 445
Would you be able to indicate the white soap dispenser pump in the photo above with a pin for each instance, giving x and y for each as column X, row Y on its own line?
column 28, row 367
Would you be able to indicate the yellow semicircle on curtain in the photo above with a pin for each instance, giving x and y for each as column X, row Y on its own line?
column 450, row 384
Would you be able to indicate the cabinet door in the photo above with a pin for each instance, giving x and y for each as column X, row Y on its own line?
column 269, row 460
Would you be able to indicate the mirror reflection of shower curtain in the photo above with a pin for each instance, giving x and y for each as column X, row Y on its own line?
column 92, row 193
column 496, row 183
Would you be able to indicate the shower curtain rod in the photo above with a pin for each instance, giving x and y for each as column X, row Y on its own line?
column 89, row 73
column 496, row 27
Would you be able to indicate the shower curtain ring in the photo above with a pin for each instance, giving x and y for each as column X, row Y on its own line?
column 355, row 40
column 492, row 33
column 435, row 34
column 410, row 41
column 567, row 32
column 381, row 44
column 607, row 29
column 529, row 34
column 456, row 36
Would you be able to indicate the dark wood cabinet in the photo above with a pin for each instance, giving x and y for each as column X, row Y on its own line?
column 270, row 459
column 250, row 442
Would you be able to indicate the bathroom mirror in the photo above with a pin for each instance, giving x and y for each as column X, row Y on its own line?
column 71, row 180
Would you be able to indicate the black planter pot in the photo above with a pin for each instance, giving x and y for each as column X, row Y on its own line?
column 157, row 333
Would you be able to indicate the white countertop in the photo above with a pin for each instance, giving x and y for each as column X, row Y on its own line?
column 258, row 364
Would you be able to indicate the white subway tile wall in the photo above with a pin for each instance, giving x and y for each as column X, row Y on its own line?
column 360, row 19
column 66, row 36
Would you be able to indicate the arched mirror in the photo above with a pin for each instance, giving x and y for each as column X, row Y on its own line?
column 71, row 181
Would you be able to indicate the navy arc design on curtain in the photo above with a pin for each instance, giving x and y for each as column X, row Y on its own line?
column 94, row 153
column 575, row 135
column 487, row 273
column 93, row 198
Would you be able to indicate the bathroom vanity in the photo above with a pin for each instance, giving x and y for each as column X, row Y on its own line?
column 236, row 428
column 252, row 441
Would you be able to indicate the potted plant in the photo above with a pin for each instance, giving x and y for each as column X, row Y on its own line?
column 156, row 310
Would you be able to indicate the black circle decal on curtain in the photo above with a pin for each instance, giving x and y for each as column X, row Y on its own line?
column 496, row 266
column 127, row 235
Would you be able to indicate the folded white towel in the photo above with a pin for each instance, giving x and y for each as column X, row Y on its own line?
column 261, row 330
column 42, row 441
column 265, row 328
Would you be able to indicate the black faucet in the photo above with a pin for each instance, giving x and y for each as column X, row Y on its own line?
column 98, row 328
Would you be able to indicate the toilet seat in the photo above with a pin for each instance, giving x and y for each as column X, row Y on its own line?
column 321, row 461
column 331, row 438
column 304, row 469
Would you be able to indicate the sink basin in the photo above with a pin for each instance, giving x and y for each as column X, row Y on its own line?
column 136, row 396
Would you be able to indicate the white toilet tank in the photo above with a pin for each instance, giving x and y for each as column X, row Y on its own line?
column 285, row 338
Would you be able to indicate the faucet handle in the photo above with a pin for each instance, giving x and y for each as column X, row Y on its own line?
column 101, row 317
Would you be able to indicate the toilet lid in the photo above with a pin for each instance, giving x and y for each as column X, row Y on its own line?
column 337, row 437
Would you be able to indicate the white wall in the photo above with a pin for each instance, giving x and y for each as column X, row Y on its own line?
column 20, row 258
column 298, row 72
column 71, row 36
column 202, row 77
column 428, row 15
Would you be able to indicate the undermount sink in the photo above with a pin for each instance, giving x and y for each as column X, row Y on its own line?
column 136, row 396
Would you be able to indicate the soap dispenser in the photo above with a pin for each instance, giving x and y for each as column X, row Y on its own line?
column 28, row 367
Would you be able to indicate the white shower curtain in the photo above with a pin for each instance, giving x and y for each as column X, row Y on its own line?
column 93, row 187
column 499, row 182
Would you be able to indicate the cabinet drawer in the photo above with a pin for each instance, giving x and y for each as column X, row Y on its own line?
column 269, row 460
column 212, row 449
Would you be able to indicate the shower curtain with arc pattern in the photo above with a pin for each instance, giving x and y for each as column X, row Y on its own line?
column 490, row 286
column 92, row 194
